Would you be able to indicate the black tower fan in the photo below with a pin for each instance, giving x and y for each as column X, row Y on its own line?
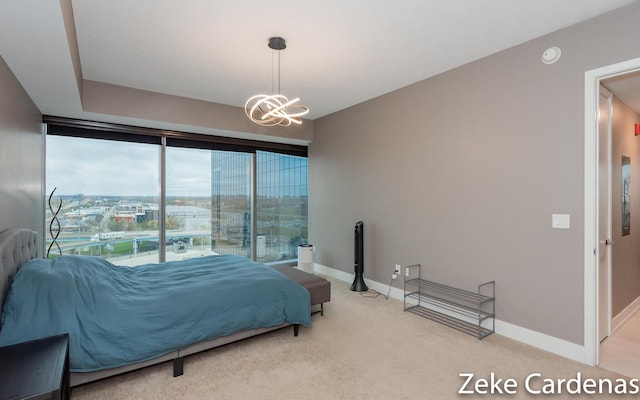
column 358, row 283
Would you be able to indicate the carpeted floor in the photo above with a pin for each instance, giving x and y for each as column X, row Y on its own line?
column 362, row 348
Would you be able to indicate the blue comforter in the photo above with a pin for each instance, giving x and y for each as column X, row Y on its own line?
column 120, row 315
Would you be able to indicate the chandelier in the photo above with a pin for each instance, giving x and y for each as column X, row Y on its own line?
column 275, row 109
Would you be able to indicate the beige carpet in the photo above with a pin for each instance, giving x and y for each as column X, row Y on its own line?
column 362, row 348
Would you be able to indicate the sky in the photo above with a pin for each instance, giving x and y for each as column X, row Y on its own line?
column 110, row 168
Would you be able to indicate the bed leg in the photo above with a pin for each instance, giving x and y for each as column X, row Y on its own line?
column 178, row 366
column 295, row 329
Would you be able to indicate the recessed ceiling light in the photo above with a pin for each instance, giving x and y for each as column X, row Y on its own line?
column 551, row 55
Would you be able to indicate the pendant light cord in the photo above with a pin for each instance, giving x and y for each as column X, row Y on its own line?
column 273, row 71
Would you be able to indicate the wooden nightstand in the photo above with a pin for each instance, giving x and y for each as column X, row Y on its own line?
column 35, row 370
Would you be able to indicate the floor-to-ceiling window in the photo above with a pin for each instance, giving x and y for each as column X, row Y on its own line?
column 105, row 196
column 138, row 199
column 208, row 201
column 231, row 196
column 281, row 205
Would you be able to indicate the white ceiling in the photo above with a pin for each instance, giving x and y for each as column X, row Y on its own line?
column 627, row 88
column 340, row 52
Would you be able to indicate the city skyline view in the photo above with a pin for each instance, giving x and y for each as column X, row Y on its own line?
column 109, row 198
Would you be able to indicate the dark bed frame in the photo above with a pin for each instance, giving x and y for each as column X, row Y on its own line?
column 18, row 246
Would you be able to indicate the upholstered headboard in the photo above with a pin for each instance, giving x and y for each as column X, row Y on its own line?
column 17, row 246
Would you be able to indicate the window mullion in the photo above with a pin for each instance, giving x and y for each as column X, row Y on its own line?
column 162, row 212
column 252, row 212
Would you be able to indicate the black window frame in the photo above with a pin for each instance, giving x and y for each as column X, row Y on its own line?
column 128, row 133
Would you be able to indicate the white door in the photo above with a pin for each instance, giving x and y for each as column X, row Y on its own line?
column 604, row 214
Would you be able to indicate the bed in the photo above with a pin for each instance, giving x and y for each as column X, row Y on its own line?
column 135, row 317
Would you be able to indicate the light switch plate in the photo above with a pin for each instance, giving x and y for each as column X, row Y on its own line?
column 560, row 221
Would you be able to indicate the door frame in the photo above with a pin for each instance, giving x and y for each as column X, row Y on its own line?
column 603, row 92
column 592, row 80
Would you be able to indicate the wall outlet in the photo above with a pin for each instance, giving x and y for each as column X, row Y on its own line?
column 397, row 270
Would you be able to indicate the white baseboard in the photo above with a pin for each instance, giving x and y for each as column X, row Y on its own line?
column 542, row 341
column 624, row 315
column 334, row 273
column 396, row 292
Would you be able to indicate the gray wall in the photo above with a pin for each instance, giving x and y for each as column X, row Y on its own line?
column 461, row 172
column 21, row 157
column 145, row 106
column 625, row 271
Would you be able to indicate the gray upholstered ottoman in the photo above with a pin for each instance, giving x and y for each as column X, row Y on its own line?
column 318, row 287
